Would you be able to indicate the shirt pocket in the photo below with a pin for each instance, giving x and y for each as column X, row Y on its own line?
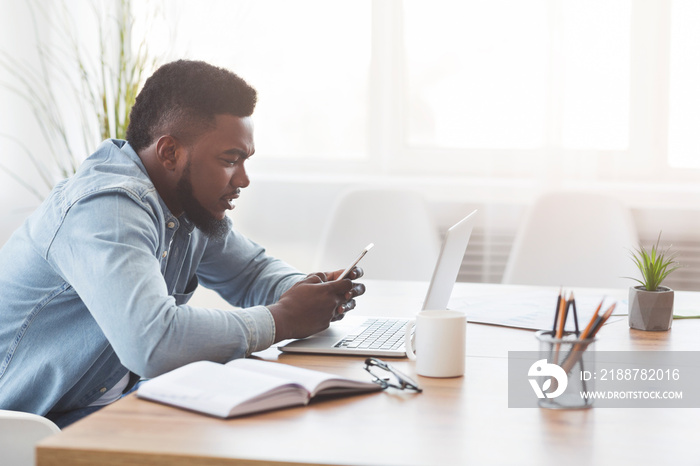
column 183, row 298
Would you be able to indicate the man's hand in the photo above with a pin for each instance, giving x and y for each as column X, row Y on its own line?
column 356, row 290
column 309, row 306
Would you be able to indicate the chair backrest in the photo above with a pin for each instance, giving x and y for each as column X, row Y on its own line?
column 19, row 434
column 396, row 221
column 574, row 239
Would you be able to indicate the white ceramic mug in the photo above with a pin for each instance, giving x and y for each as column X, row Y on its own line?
column 440, row 339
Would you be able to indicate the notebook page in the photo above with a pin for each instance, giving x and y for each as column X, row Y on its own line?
column 311, row 380
column 221, row 390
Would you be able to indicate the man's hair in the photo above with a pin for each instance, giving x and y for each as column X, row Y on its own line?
column 182, row 98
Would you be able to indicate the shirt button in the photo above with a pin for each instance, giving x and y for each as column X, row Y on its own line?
column 165, row 253
column 171, row 224
column 103, row 389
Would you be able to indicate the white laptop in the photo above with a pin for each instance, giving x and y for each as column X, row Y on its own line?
column 384, row 336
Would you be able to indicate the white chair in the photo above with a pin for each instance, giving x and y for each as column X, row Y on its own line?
column 406, row 242
column 574, row 239
column 19, row 434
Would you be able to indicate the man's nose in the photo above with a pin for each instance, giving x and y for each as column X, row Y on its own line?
column 240, row 178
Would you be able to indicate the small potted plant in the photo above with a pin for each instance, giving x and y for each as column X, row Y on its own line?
column 650, row 304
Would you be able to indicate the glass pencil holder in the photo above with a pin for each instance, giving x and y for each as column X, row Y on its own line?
column 564, row 369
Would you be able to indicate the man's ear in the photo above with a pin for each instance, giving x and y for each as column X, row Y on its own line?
column 167, row 152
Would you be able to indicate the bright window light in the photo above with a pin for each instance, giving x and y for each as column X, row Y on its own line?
column 596, row 74
column 684, row 101
column 308, row 59
column 534, row 79
column 476, row 73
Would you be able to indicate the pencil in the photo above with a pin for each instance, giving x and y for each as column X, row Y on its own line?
column 562, row 318
column 573, row 305
column 588, row 328
column 597, row 322
column 602, row 319
column 556, row 313
column 567, row 305
column 560, row 328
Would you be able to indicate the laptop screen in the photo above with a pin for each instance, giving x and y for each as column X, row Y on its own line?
column 449, row 262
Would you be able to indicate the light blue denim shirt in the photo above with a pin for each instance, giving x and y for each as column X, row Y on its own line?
column 95, row 284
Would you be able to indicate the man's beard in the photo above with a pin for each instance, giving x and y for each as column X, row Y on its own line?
column 212, row 227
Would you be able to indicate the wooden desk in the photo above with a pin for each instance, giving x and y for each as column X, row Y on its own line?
column 462, row 420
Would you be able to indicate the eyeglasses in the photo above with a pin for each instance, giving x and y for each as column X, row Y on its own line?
column 386, row 376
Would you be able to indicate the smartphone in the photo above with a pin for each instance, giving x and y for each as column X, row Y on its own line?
column 362, row 254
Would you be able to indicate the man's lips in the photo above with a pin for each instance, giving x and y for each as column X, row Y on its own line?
column 230, row 198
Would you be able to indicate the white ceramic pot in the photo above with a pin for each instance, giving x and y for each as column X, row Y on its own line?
column 650, row 310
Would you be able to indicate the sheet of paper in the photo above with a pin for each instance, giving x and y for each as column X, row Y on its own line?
column 532, row 308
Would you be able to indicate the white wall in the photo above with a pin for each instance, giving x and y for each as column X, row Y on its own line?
column 20, row 132
column 16, row 121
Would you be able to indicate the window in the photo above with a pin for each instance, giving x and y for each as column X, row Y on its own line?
column 601, row 89
column 684, row 98
column 486, row 74
column 595, row 50
column 308, row 59
column 477, row 73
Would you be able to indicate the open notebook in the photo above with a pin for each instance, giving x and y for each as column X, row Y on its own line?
column 381, row 336
column 246, row 386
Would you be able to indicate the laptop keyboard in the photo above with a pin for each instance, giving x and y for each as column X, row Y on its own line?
column 386, row 334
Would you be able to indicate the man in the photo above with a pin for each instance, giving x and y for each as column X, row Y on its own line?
column 94, row 285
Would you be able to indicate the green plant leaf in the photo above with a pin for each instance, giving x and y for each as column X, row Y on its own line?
column 654, row 265
column 99, row 89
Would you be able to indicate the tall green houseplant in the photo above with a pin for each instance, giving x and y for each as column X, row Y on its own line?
column 100, row 90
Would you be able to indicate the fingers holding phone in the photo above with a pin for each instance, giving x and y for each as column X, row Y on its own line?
column 310, row 305
column 352, row 272
column 352, row 268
